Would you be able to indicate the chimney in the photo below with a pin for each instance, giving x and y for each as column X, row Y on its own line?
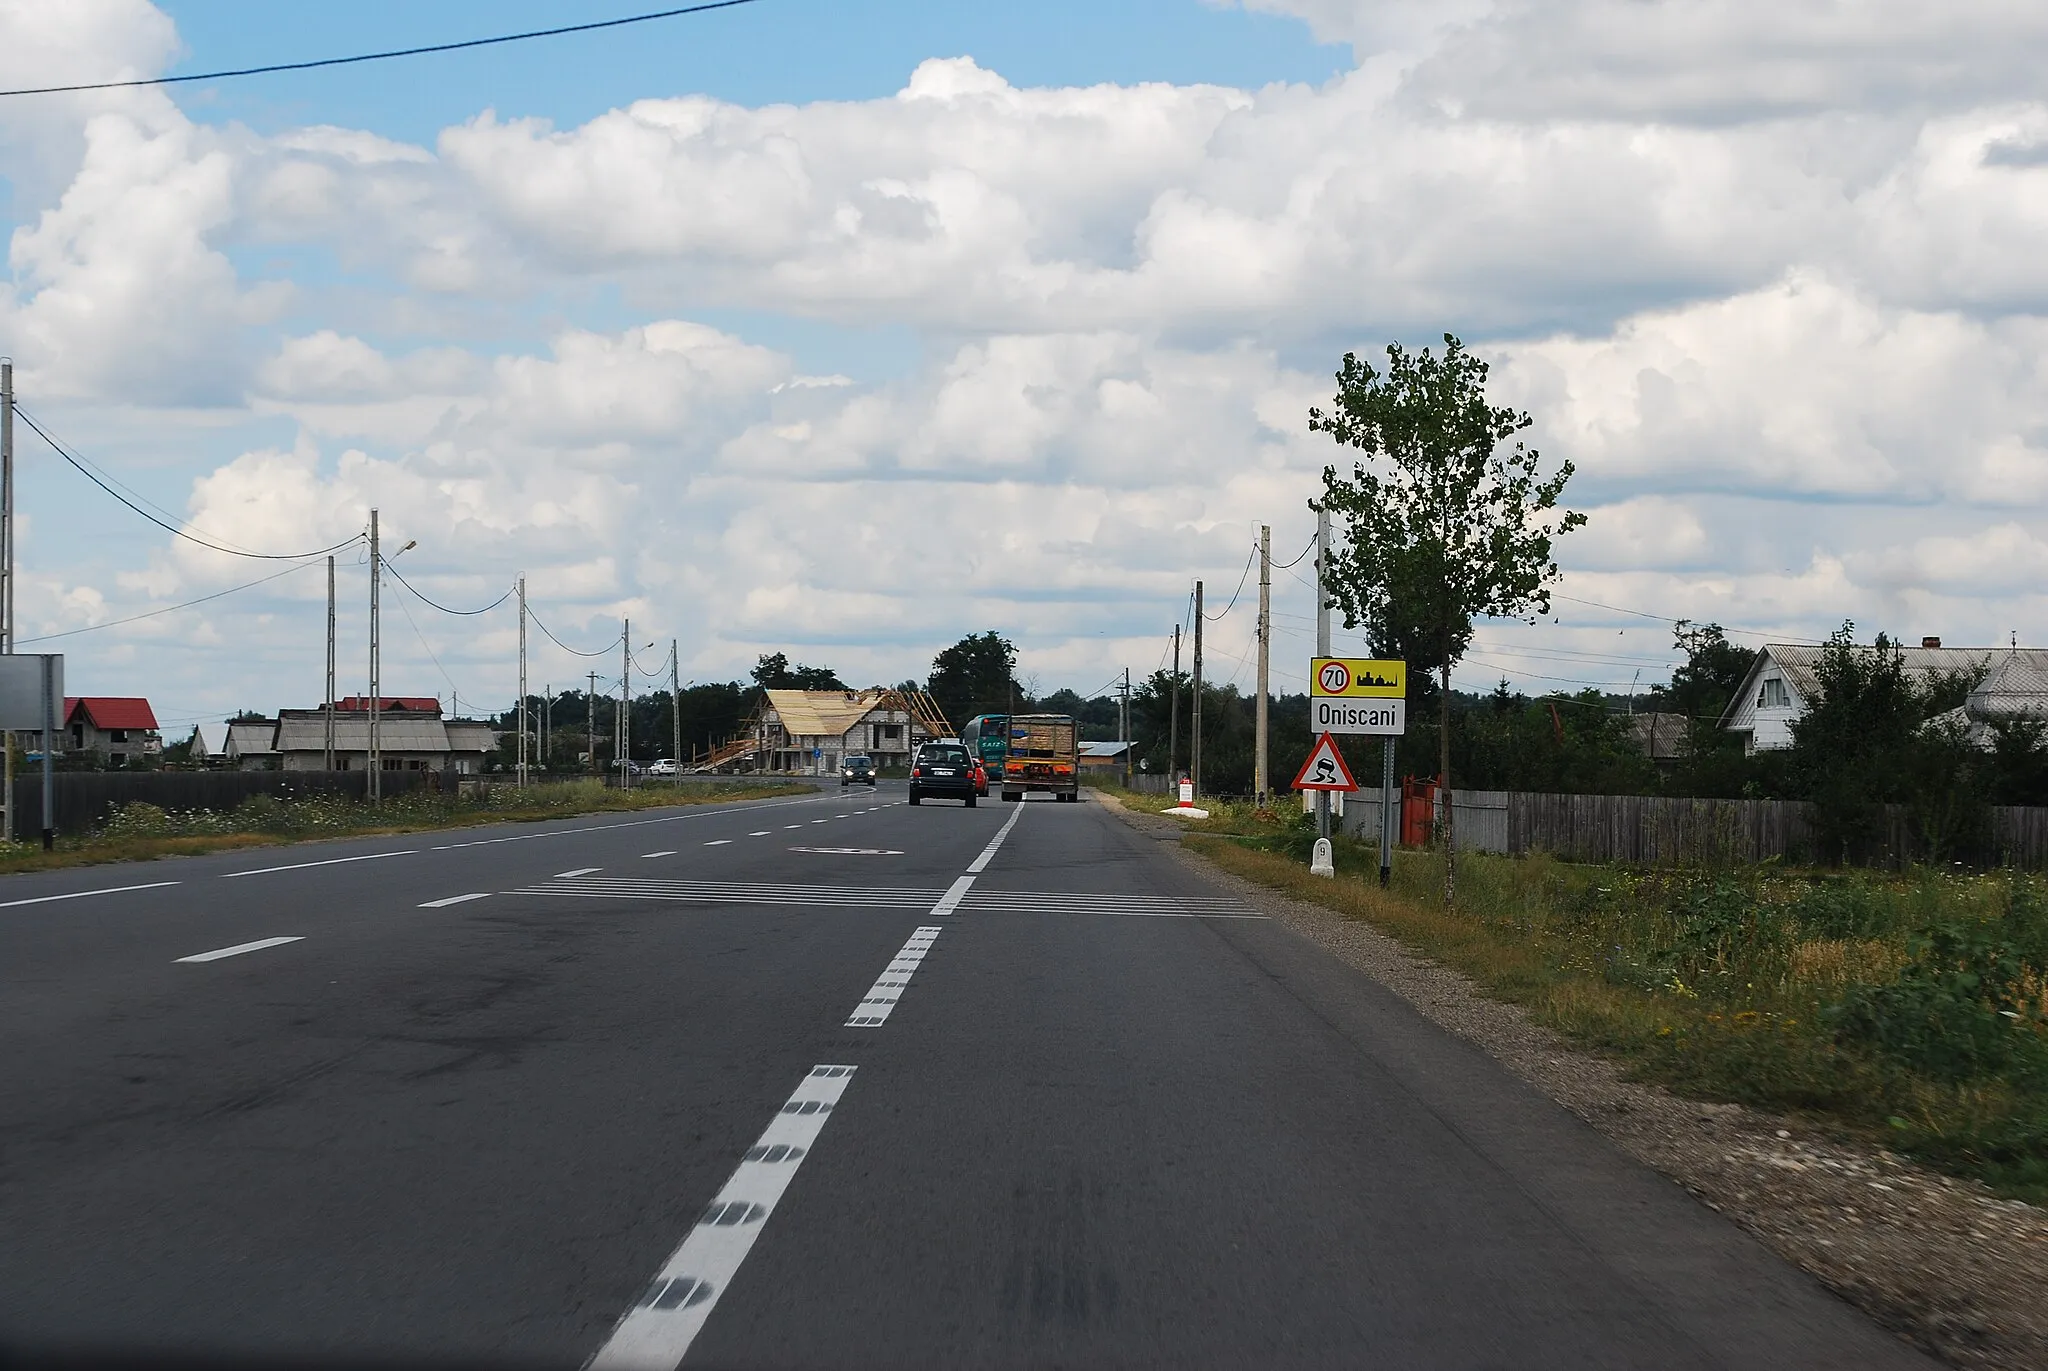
column 1930, row 642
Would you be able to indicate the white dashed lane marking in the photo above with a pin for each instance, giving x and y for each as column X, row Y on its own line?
column 718, row 842
column 880, row 1001
column 239, row 948
column 81, row 894
column 457, row 899
column 579, row 871
column 656, row 1333
column 669, row 853
column 759, row 833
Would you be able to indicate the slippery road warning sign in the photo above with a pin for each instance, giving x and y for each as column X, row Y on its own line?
column 1325, row 769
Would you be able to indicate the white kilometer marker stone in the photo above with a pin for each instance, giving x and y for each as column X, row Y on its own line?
column 239, row 948
column 645, row 855
column 579, row 871
column 457, row 899
column 880, row 1001
column 718, row 842
column 655, row 1334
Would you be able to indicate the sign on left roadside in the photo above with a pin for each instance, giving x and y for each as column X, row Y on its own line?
column 22, row 685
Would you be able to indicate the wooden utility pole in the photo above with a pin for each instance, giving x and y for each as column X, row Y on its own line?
column 1260, row 779
column 1322, row 642
column 1125, row 716
column 1195, row 709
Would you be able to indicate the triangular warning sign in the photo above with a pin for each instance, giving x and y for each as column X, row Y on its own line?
column 1325, row 769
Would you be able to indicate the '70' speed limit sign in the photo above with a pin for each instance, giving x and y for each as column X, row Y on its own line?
column 1334, row 678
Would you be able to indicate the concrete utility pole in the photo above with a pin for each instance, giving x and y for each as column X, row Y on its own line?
column 7, row 577
column 547, row 709
column 522, row 683
column 1173, row 725
column 1322, row 644
column 1125, row 720
column 590, row 718
column 1260, row 780
column 625, row 701
column 675, row 706
column 327, row 709
column 1195, row 709
column 376, row 750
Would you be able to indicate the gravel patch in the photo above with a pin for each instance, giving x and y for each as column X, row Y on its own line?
column 1943, row 1261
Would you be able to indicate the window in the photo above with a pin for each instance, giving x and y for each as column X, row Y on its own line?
column 1772, row 695
column 119, row 735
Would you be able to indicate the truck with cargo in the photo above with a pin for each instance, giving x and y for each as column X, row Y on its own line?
column 1044, row 755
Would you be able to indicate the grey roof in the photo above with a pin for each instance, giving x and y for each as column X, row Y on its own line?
column 1103, row 749
column 2016, row 685
column 470, row 735
column 1799, row 661
column 305, row 730
column 251, row 738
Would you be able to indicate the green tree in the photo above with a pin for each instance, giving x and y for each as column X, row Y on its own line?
column 977, row 675
column 774, row 672
column 1448, row 519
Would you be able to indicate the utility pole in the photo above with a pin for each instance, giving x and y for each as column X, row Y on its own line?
column 7, row 575
column 1195, row 708
column 675, row 706
column 522, row 683
column 590, row 718
column 625, row 700
column 547, row 710
column 327, row 742
column 1173, row 725
column 1125, row 717
column 1260, row 780
column 1322, row 643
column 376, row 750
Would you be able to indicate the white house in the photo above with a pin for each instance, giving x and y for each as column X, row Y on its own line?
column 1782, row 684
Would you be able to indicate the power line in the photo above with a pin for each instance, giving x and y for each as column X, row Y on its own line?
column 381, row 56
column 575, row 652
column 1242, row 577
column 431, row 604
column 167, row 609
column 105, row 483
column 1298, row 556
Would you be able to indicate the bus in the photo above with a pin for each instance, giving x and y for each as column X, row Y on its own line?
column 988, row 737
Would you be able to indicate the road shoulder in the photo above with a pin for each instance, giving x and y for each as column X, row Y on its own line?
column 1940, row 1260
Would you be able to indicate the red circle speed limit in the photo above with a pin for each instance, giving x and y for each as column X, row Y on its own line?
column 1334, row 678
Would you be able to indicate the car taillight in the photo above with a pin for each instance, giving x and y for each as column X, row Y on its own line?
column 917, row 771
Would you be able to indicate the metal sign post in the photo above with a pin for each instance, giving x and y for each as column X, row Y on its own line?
column 31, row 695
column 1368, row 696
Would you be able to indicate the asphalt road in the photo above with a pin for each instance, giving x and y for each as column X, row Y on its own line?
column 828, row 1081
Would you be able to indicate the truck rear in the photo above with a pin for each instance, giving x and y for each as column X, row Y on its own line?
column 1044, row 756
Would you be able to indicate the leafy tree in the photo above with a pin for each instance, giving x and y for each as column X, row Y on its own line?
column 774, row 672
column 1447, row 524
column 977, row 675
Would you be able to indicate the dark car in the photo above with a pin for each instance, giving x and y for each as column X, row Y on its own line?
column 857, row 769
column 943, row 771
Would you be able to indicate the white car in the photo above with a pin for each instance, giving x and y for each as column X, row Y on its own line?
column 665, row 767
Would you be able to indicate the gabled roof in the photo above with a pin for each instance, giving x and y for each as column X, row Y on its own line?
column 1798, row 663
column 209, row 740
column 110, row 711
column 392, row 704
column 822, row 713
column 1104, row 749
column 251, row 738
column 2017, row 685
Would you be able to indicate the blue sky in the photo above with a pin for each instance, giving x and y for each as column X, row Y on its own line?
column 770, row 52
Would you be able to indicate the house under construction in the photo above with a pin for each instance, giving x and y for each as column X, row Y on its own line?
column 808, row 732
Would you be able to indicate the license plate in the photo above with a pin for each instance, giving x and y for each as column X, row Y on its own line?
column 941, row 771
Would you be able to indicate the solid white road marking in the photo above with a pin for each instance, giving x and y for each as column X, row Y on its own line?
column 950, row 901
column 81, row 894
column 331, row 861
column 980, row 864
column 456, row 899
column 239, row 948
column 579, row 871
column 701, row 812
column 655, row 1334
column 718, row 842
column 875, row 1007
column 669, row 853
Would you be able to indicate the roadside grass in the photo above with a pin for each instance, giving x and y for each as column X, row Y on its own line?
column 144, row 832
column 1907, row 1009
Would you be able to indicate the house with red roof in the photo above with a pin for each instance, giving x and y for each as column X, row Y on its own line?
column 118, row 728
